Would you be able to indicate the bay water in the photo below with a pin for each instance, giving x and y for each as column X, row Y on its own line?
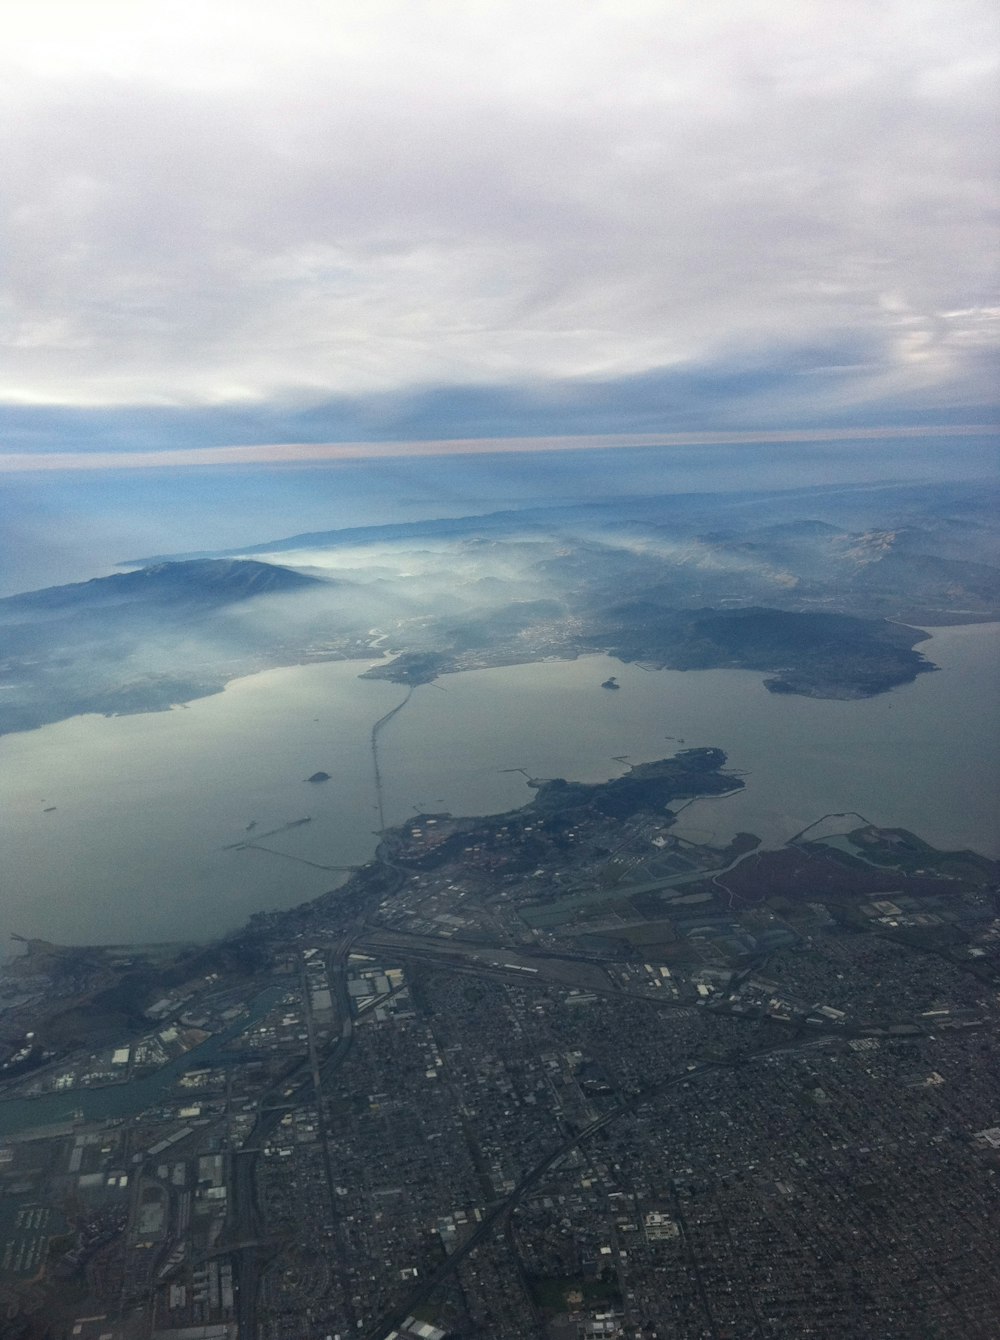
column 122, row 830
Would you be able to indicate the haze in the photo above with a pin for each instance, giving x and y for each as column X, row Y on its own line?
column 499, row 651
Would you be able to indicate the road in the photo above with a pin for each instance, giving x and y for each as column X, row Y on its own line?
column 390, row 1321
column 377, row 729
column 250, row 1248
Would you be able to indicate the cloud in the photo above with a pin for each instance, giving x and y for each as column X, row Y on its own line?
column 241, row 203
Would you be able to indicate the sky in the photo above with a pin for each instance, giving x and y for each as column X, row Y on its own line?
column 328, row 220
column 327, row 262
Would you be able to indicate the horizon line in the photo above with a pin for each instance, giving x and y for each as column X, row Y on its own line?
column 294, row 453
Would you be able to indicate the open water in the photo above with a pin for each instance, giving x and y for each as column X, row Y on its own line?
column 137, row 846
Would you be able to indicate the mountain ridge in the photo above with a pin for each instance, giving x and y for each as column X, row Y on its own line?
column 213, row 581
column 821, row 590
column 623, row 510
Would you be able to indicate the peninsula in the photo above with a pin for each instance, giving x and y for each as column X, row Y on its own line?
column 532, row 1036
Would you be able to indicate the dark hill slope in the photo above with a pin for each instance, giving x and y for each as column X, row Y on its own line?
column 140, row 641
column 820, row 655
column 200, row 582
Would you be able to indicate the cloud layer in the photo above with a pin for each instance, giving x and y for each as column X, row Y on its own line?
column 226, row 203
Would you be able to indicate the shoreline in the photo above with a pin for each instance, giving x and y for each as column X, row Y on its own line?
column 272, row 716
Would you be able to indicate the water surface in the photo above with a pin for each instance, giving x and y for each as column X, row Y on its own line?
column 146, row 806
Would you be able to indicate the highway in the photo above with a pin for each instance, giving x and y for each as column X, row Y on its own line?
column 377, row 729
column 390, row 1321
column 250, row 1247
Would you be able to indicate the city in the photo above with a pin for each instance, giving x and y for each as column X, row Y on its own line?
column 557, row 1073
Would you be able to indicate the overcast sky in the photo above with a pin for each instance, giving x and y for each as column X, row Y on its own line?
column 256, row 204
